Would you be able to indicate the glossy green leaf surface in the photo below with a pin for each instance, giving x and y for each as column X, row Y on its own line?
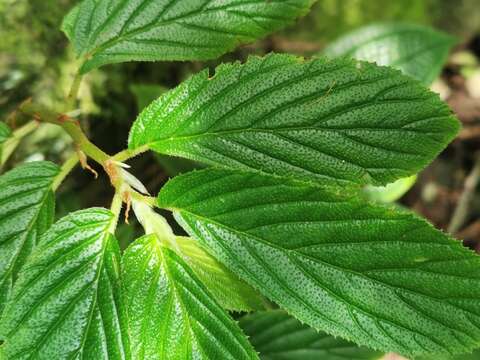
column 279, row 336
column 229, row 291
column 338, row 121
column 171, row 315
column 373, row 274
column 105, row 32
column 66, row 303
column 416, row 50
column 27, row 209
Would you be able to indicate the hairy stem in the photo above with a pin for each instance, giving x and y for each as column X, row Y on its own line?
column 67, row 167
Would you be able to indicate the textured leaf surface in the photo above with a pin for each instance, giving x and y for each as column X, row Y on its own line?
column 376, row 275
column 172, row 165
column 279, row 336
column 171, row 315
column 66, row 303
column 27, row 207
column 416, row 50
column 146, row 30
column 229, row 291
column 336, row 121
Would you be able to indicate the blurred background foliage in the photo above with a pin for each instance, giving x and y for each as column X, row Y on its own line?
column 36, row 61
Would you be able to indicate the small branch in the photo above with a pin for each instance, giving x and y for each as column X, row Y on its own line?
column 71, row 126
column 66, row 168
column 11, row 144
column 463, row 206
column 115, row 208
column 149, row 200
column 128, row 153
column 73, row 93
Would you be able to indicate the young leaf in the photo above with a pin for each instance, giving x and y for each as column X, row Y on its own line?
column 338, row 121
column 105, row 32
column 376, row 275
column 416, row 50
column 279, row 336
column 66, row 303
column 27, row 208
column 229, row 291
column 170, row 313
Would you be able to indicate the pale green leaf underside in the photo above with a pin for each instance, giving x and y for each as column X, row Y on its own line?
column 27, row 207
column 279, row 336
column 66, row 303
column 372, row 274
column 229, row 291
column 416, row 50
column 338, row 121
column 171, row 315
column 105, row 32
column 390, row 192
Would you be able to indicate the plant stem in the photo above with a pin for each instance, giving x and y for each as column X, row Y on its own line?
column 115, row 208
column 463, row 206
column 149, row 200
column 128, row 153
column 67, row 166
column 11, row 143
column 72, row 127
column 73, row 93
column 84, row 144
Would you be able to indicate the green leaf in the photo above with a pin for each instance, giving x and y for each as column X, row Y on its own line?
column 171, row 315
column 105, row 32
column 27, row 209
column 5, row 133
column 145, row 94
column 415, row 50
column 391, row 192
column 373, row 274
column 229, row 291
column 338, row 121
column 279, row 336
column 418, row 51
column 66, row 303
